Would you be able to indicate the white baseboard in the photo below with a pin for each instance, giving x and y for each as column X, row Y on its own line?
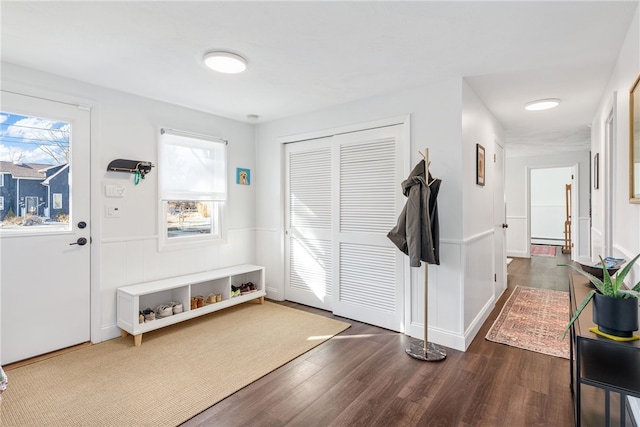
column 518, row 254
column 274, row 294
column 110, row 332
column 439, row 336
column 477, row 323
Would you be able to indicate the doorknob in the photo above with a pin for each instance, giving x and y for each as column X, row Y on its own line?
column 81, row 241
column 505, row 225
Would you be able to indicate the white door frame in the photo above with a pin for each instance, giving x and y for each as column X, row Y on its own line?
column 95, row 111
column 610, row 136
column 500, row 261
column 24, row 103
column 575, row 235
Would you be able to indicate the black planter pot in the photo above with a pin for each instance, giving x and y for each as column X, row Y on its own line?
column 615, row 316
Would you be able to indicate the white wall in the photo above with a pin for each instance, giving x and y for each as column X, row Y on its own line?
column 478, row 127
column 517, row 170
column 626, row 216
column 436, row 123
column 125, row 249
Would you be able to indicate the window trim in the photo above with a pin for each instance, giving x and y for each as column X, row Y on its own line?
column 164, row 197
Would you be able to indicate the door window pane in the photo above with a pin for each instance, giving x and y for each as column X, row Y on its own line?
column 35, row 166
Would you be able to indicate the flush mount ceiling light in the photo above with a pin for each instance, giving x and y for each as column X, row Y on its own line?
column 542, row 104
column 225, row 62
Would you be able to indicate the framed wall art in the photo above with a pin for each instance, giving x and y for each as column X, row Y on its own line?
column 243, row 176
column 480, row 162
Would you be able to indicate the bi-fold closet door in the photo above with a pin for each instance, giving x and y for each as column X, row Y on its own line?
column 343, row 195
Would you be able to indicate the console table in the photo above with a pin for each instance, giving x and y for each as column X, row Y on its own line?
column 600, row 362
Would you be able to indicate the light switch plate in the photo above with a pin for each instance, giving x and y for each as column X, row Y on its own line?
column 113, row 212
column 114, row 190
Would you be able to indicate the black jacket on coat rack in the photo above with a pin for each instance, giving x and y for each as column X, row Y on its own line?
column 417, row 231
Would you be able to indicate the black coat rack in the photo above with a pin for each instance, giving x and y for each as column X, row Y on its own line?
column 131, row 166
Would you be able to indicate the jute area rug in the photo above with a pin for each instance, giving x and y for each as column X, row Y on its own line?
column 543, row 250
column 534, row 319
column 178, row 372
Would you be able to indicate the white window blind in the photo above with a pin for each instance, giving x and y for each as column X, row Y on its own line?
column 192, row 167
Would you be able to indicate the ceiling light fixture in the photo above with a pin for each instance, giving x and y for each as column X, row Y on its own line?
column 225, row 62
column 542, row 104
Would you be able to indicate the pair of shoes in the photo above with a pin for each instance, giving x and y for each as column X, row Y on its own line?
column 149, row 315
column 235, row 291
column 164, row 310
column 247, row 288
column 200, row 300
column 197, row 302
column 176, row 307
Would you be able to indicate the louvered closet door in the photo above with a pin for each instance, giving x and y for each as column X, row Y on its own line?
column 308, row 218
column 343, row 196
column 368, row 279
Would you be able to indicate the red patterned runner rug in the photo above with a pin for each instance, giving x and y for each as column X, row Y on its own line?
column 533, row 319
column 543, row 250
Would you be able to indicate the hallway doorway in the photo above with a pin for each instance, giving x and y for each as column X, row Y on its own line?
column 551, row 207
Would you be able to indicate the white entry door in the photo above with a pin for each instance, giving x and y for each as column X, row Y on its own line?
column 500, row 223
column 45, row 232
column 343, row 197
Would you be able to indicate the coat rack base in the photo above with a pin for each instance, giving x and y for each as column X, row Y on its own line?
column 432, row 352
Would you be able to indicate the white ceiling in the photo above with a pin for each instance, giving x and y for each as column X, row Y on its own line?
column 307, row 56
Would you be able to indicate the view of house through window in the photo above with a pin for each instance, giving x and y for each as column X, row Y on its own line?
column 188, row 217
column 34, row 172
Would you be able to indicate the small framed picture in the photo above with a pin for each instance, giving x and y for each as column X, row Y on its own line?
column 480, row 164
column 243, row 176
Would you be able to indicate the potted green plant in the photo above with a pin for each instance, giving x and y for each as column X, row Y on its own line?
column 615, row 308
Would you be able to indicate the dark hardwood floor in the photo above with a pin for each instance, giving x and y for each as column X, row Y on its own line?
column 363, row 377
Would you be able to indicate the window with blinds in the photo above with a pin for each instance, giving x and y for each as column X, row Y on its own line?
column 192, row 187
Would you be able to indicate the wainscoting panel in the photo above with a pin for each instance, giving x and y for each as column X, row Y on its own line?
column 266, row 240
column 478, row 273
column 517, row 236
column 597, row 244
column 445, row 299
column 583, row 248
